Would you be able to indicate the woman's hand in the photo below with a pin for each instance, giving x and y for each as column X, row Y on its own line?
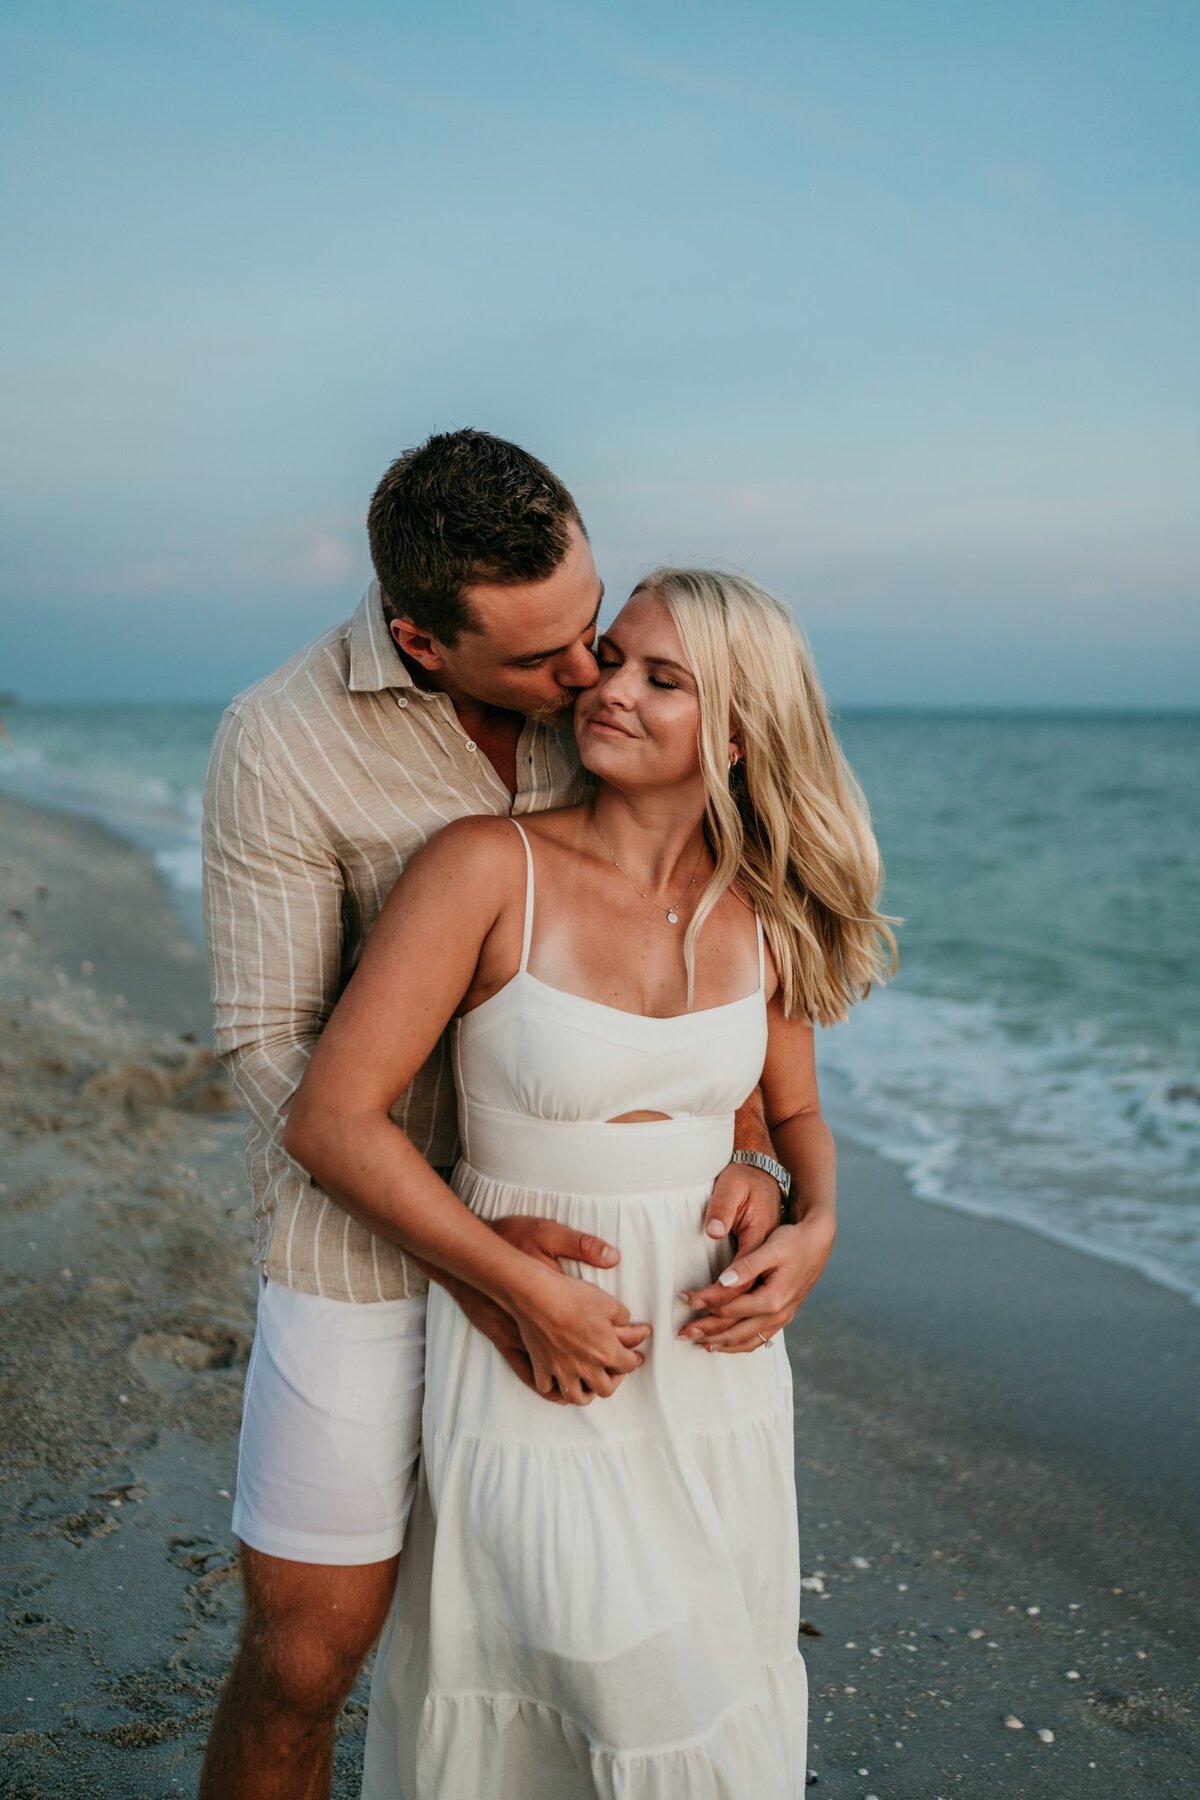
column 760, row 1293
column 548, row 1240
column 578, row 1338
column 500, row 1329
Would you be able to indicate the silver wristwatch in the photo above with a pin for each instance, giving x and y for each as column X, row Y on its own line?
column 759, row 1160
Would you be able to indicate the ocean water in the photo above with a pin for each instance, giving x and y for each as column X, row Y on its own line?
column 138, row 769
column 1038, row 1057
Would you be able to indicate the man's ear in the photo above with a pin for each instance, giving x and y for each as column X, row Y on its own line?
column 416, row 643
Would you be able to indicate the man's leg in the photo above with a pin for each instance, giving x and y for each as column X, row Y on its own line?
column 305, row 1633
column 331, row 1432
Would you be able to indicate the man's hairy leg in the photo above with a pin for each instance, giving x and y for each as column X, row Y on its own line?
column 306, row 1632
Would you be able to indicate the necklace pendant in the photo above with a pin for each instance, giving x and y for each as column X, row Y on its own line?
column 672, row 916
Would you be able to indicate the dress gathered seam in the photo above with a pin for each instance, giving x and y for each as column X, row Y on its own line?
column 453, row 1696
column 616, row 1441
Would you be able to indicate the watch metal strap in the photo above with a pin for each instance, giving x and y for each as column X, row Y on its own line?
column 759, row 1160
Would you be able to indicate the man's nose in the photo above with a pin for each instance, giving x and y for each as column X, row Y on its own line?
column 579, row 669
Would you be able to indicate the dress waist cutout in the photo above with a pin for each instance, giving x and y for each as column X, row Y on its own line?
column 595, row 1158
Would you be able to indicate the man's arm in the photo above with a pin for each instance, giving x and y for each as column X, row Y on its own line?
column 273, row 893
column 272, row 924
column 746, row 1203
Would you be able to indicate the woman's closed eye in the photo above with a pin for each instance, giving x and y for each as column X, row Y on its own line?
column 606, row 660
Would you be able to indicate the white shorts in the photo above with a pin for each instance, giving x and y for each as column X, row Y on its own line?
column 331, row 1427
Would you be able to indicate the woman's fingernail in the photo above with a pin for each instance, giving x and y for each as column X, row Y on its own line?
column 729, row 1278
column 683, row 1295
column 717, row 1228
column 610, row 1255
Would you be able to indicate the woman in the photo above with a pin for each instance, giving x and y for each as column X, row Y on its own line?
column 601, row 1597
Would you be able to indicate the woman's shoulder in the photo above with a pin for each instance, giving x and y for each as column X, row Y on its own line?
column 487, row 845
column 480, row 842
column 462, row 875
column 479, row 852
column 487, row 835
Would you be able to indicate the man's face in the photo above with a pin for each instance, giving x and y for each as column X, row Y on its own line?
column 532, row 650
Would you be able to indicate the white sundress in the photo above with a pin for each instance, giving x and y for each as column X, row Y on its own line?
column 601, row 1600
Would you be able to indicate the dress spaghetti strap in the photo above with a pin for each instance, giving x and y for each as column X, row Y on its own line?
column 528, row 937
column 762, row 958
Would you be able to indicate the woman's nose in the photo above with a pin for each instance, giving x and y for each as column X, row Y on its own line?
column 615, row 681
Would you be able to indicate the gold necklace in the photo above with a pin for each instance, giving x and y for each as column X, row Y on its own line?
column 671, row 912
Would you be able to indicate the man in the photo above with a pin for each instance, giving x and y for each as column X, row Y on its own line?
column 446, row 694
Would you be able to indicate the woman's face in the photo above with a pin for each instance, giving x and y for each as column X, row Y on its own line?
column 638, row 726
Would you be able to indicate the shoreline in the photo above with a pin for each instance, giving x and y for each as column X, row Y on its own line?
column 184, row 901
column 1145, row 1268
column 987, row 1422
column 918, row 1146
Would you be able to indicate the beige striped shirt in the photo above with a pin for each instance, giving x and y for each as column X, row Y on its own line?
column 324, row 779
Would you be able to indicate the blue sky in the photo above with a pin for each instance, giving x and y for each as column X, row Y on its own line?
column 892, row 304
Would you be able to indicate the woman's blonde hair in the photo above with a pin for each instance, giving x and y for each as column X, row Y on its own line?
column 789, row 822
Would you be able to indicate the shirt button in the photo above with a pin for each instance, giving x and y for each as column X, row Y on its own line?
column 402, row 701
column 470, row 743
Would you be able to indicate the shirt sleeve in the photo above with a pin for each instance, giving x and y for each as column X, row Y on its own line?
column 273, row 892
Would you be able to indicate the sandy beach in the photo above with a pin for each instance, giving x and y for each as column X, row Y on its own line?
column 997, row 1437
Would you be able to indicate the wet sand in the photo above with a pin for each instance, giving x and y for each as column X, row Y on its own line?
column 997, row 1442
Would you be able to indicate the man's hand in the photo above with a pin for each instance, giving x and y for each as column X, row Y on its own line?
column 501, row 1329
column 744, row 1204
column 547, row 1241
column 760, row 1292
column 552, row 1242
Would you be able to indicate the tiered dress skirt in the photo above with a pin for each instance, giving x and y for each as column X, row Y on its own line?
column 600, row 1600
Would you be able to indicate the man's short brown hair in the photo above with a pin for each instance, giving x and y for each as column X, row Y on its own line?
column 463, row 507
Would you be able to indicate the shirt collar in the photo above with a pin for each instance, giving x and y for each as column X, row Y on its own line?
column 375, row 662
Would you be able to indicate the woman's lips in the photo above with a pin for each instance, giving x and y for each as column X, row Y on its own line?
column 595, row 724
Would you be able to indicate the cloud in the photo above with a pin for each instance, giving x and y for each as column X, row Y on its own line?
column 319, row 559
column 152, row 578
column 302, row 557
